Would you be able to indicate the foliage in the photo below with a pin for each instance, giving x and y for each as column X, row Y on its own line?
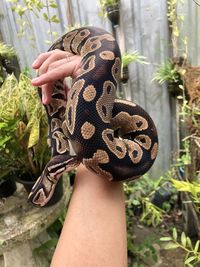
column 138, row 198
column 192, row 257
column 127, row 58
column 23, row 128
column 6, row 53
column 166, row 72
column 191, row 187
column 139, row 193
column 103, row 4
column 188, row 111
column 173, row 17
column 37, row 8
column 143, row 252
column 175, row 21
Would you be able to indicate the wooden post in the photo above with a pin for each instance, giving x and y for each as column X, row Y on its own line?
column 70, row 14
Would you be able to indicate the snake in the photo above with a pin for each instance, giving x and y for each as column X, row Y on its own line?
column 114, row 138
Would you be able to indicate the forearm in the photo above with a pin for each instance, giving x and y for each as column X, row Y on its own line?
column 94, row 232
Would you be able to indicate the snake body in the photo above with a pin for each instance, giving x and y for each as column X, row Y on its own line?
column 114, row 138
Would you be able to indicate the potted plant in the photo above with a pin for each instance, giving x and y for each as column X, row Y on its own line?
column 110, row 9
column 169, row 72
column 24, row 151
column 128, row 58
column 8, row 61
column 7, row 184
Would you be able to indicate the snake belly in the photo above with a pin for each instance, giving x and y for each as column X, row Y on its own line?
column 113, row 138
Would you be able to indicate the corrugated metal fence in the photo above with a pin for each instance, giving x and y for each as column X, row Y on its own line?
column 143, row 27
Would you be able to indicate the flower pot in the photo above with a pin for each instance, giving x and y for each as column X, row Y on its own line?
column 125, row 74
column 113, row 14
column 8, row 187
column 28, row 184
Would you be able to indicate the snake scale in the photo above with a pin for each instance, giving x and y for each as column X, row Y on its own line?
column 114, row 138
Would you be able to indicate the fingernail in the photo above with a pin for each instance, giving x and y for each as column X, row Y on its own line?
column 34, row 63
column 44, row 100
column 35, row 79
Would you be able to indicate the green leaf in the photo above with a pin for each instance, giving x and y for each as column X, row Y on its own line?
column 174, row 234
column 54, row 19
column 45, row 16
column 166, row 238
column 190, row 259
column 53, row 5
column 34, row 134
column 183, row 239
column 2, row 125
column 4, row 140
column 171, row 245
column 189, row 243
column 196, row 246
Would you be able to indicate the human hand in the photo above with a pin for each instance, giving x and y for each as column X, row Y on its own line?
column 52, row 66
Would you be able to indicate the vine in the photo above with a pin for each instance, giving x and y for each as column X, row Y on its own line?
column 36, row 7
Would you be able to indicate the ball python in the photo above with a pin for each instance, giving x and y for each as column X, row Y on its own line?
column 113, row 138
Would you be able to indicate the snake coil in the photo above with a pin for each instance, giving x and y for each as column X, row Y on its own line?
column 114, row 138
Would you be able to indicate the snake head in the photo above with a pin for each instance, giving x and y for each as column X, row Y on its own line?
column 45, row 185
column 41, row 192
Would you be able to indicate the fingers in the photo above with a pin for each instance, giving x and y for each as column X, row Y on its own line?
column 47, row 90
column 52, row 66
column 58, row 70
column 40, row 59
column 46, row 59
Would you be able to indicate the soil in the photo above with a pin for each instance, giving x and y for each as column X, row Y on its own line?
column 166, row 258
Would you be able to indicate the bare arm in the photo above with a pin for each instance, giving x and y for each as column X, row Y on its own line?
column 94, row 232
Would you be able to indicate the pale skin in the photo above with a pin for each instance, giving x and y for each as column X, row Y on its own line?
column 94, row 232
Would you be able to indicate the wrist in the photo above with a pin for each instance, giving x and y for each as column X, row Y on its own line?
column 94, row 184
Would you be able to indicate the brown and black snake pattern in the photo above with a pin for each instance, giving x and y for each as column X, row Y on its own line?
column 113, row 138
